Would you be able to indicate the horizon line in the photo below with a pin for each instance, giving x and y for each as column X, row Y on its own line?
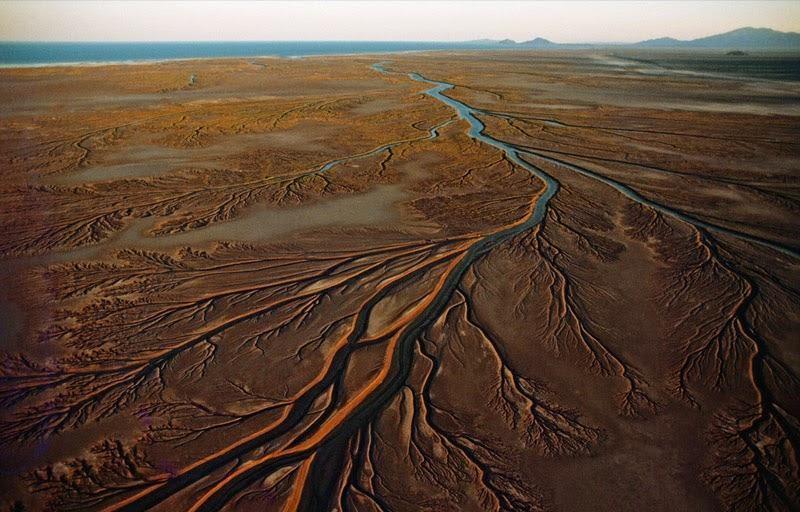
column 474, row 40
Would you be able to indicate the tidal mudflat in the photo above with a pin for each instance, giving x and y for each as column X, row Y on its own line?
column 454, row 281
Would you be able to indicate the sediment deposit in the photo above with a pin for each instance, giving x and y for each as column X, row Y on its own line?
column 511, row 281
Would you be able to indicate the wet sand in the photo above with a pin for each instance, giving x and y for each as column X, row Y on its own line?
column 451, row 281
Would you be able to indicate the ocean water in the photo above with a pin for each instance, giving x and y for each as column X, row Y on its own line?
column 28, row 54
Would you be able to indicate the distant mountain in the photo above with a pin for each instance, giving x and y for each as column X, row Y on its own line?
column 492, row 42
column 539, row 42
column 747, row 38
column 661, row 42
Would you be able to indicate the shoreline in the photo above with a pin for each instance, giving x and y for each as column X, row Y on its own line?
column 138, row 62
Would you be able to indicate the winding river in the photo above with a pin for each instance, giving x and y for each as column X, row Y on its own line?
column 476, row 131
column 512, row 152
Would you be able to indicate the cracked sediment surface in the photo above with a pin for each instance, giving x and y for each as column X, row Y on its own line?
column 480, row 282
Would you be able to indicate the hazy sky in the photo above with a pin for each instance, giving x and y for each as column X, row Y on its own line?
column 566, row 21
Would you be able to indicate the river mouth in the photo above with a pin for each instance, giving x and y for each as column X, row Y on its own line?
column 326, row 336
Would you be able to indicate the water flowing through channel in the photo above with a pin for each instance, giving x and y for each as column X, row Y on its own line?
column 476, row 131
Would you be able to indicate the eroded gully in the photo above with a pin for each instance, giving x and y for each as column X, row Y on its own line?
column 400, row 359
column 402, row 356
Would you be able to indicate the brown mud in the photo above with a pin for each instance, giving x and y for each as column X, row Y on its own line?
column 312, row 289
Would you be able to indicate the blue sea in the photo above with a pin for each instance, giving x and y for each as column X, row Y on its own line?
column 31, row 54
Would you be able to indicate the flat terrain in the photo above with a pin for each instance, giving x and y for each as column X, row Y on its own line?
column 445, row 282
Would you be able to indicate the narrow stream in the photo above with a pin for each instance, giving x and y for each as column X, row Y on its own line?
column 476, row 131
column 638, row 198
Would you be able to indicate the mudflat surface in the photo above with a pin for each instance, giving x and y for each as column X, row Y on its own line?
column 452, row 281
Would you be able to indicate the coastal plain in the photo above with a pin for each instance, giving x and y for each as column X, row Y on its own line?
column 446, row 281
